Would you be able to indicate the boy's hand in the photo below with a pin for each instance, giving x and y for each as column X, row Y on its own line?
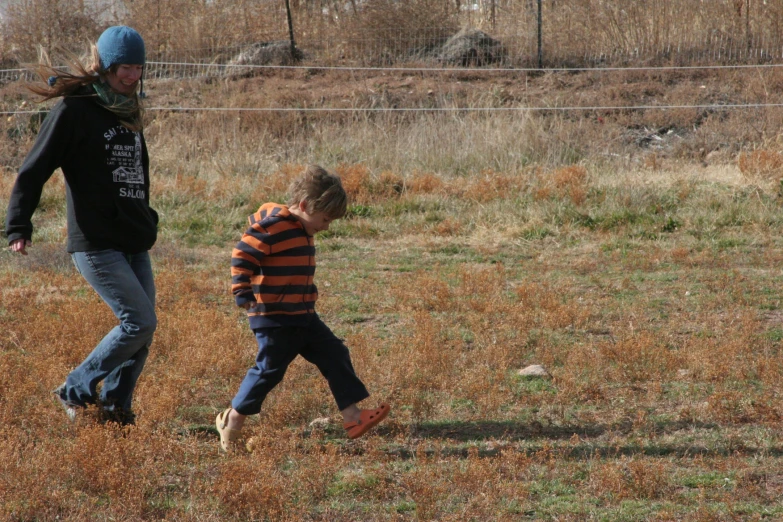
column 248, row 306
column 20, row 245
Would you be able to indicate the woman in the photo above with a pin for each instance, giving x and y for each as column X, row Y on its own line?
column 94, row 134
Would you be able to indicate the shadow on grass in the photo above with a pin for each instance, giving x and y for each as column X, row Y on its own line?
column 504, row 430
column 487, row 439
column 517, row 431
column 491, row 438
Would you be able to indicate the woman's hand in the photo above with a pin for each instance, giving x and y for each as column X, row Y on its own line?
column 20, row 245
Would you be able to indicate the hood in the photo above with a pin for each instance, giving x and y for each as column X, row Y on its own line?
column 268, row 210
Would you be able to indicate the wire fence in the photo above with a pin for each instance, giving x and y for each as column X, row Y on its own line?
column 507, row 52
column 511, row 52
column 183, row 70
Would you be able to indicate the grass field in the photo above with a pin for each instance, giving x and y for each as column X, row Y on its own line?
column 646, row 280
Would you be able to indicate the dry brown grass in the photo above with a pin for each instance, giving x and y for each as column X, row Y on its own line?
column 643, row 408
column 762, row 165
column 476, row 244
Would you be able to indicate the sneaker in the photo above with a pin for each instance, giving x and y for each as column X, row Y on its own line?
column 71, row 408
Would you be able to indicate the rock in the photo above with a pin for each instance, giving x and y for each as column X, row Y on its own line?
column 534, row 370
column 471, row 47
column 320, row 422
column 264, row 53
column 251, row 444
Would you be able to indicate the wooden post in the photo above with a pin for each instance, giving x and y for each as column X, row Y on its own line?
column 540, row 48
column 291, row 31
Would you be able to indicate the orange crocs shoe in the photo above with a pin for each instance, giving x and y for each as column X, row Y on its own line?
column 367, row 419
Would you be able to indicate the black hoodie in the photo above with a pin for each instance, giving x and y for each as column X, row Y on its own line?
column 106, row 169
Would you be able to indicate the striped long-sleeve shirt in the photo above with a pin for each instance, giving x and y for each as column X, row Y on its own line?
column 272, row 267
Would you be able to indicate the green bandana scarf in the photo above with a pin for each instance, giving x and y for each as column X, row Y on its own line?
column 126, row 108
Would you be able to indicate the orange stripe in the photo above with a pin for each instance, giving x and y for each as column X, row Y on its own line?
column 244, row 255
column 280, row 226
column 274, row 298
column 287, row 261
column 280, row 280
column 281, row 313
column 290, row 243
column 255, row 243
column 287, row 298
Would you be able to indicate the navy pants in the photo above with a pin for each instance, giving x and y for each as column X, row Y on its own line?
column 279, row 346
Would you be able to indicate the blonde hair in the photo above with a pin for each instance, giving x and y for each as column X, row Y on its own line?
column 320, row 190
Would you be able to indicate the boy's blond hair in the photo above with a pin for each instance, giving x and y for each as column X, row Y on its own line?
column 321, row 190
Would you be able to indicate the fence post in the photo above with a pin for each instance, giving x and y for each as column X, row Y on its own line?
column 291, row 31
column 540, row 49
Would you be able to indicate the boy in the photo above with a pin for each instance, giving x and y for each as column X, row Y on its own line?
column 272, row 271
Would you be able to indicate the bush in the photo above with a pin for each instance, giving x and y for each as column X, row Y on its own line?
column 385, row 31
column 65, row 24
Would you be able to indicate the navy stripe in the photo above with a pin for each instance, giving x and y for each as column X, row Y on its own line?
column 265, row 214
column 302, row 251
column 288, row 270
column 282, row 307
column 284, row 290
column 238, row 262
column 273, row 271
column 241, row 279
column 247, row 249
column 261, row 236
column 284, row 235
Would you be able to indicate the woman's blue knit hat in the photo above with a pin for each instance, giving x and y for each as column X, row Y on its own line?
column 120, row 44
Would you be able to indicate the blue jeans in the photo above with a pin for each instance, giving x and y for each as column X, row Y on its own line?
column 279, row 346
column 125, row 283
